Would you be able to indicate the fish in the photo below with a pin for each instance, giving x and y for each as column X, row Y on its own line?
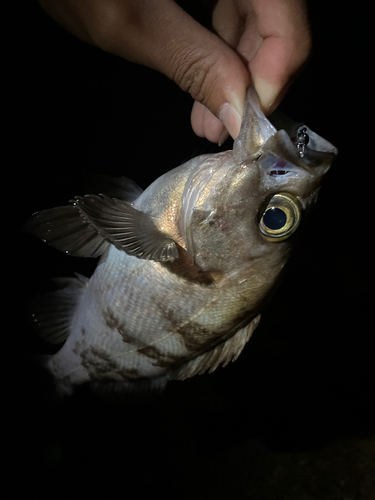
column 185, row 266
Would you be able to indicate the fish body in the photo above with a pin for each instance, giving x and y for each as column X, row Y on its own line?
column 185, row 266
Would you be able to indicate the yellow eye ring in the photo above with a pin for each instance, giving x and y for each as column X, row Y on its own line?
column 281, row 217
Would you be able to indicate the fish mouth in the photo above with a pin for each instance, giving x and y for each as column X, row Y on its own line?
column 298, row 145
column 294, row 143
column 295, row 158
column 275, row 166
column 303, row 149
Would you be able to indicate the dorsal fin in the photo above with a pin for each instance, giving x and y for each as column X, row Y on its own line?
column 121, row 188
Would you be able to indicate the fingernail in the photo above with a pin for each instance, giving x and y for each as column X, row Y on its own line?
column 267, row 93
column 223, row 137
column 231, row 119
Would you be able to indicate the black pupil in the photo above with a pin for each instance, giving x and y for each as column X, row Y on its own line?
column 274, row 218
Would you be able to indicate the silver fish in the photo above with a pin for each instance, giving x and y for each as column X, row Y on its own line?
column 185, row 266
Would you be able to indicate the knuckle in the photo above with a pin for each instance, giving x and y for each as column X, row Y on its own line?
column 194, row 73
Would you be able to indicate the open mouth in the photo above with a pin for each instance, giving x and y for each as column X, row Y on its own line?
column 276, row 167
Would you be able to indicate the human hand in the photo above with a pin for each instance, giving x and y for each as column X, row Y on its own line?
column 264, row 41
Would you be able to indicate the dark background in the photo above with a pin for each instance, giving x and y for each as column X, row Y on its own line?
column 293, row 418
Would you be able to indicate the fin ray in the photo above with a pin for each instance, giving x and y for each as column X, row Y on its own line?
column 126, row 228
column 63, row 228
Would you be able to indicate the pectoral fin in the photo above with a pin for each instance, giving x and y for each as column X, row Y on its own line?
column 126, row 228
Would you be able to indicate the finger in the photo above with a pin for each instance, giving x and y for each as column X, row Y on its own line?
column 228, row 22
column 273, row 69
column 207, row 125
column 279, row 49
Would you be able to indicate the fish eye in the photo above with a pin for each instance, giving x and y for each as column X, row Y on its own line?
column 281, row 217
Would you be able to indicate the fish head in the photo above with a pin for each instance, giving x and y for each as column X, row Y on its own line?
column 242, row 205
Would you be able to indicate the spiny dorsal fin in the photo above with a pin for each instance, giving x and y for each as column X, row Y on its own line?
column 221, row 354
column 121, row 188
column 126, row 228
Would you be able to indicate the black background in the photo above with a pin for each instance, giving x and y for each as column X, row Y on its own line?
column 293, row 418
